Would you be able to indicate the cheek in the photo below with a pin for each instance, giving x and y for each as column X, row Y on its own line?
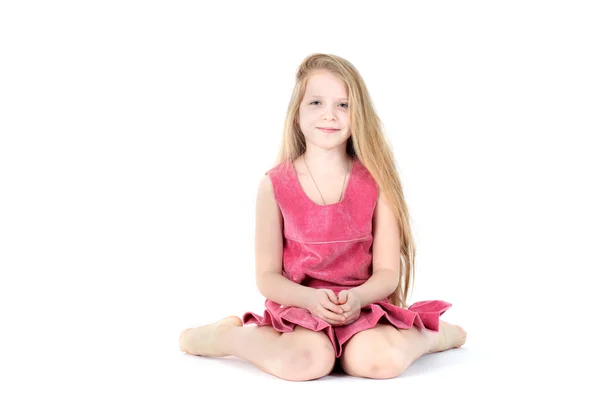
column 346, row 119
column 309, row 114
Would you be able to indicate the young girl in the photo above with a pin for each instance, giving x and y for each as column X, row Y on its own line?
column 334, row 251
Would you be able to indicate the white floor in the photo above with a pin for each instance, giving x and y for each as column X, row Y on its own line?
column 477, row 369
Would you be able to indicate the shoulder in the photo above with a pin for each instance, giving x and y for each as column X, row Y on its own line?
column 279, row 173
column 280, row 169
column 366, row 183
column 265, row 185
column 272, row 179
column 363, row 172
column 267, row 204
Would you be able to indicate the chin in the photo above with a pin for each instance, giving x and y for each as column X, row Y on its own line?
column 321, row 140
column 331, row 145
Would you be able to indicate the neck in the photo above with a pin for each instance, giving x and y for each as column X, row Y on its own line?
column 326, row 161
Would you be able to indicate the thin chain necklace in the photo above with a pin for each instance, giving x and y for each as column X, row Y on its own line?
column 345, row 176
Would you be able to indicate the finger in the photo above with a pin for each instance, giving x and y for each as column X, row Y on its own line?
column 343, row 296
column 332, row 307
column 350, row 319
column 333, row 316
column 346, row 307
column 332, row 322
column 351, row 315
column 332, row 297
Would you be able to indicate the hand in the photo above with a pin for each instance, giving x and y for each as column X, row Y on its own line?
column 351, row 304
column 324, row 304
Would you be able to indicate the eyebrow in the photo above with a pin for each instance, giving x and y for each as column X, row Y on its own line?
column 320, row 97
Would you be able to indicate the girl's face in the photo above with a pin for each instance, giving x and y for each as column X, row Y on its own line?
column 325, row 105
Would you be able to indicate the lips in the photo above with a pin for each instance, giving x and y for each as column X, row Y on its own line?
column 328, row 130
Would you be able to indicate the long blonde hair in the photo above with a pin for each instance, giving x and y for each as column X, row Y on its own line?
column 367, row 142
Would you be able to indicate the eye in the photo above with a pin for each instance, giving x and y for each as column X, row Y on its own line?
column 317, row 101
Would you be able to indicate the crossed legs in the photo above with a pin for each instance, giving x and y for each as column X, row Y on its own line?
column 381, row 352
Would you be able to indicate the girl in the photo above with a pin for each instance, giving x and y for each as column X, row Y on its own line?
column 334, row 251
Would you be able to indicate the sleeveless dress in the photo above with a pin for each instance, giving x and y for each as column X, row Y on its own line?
column 330, row 246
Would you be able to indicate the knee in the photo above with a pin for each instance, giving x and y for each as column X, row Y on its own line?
column 306, row 363
column 389, row 364
column 383, row 364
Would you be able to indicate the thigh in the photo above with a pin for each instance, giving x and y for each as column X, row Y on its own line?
column 374, row 353
column 305, row 341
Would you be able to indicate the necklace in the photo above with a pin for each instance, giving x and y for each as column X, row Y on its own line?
column 345, row 176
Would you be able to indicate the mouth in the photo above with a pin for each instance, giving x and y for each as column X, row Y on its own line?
column 328, row 130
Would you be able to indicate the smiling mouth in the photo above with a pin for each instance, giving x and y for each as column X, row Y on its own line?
column 328, row 130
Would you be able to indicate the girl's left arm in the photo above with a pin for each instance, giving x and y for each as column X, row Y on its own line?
column 386, row 256
column 379, row 286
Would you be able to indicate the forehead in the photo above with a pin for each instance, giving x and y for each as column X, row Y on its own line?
column 325, row 83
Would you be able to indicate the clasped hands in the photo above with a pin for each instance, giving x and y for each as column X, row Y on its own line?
column 342, row 309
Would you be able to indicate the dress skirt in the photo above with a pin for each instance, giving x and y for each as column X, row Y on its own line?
column 423, row 314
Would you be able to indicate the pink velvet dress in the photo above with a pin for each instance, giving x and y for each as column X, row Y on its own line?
column 330, row 246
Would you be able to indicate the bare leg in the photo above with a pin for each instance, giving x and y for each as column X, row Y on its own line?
column 297, row 356
column 386, row 352
column 415, row 342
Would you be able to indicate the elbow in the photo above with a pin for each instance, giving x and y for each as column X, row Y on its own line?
column 393, row 277
column 262, row 284
column 259, row 284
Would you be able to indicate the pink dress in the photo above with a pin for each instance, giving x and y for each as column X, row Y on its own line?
column 330, row 246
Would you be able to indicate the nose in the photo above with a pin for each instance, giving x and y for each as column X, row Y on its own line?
column 328, row 114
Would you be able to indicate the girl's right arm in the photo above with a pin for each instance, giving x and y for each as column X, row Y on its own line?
column 269, row 251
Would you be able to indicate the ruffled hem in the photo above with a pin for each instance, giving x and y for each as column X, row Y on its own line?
column 423, row 314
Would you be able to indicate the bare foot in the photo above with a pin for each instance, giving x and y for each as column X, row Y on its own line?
column 202, row 341
column 449, row 336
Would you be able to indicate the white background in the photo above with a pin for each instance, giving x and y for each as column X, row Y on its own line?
column 134, row 135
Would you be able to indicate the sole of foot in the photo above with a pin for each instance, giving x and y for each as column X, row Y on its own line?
column 202, row 341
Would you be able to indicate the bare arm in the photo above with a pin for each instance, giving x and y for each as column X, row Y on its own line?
column 386, row 256
column 269, row 251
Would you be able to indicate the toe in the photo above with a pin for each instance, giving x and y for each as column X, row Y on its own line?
column 182, row 334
